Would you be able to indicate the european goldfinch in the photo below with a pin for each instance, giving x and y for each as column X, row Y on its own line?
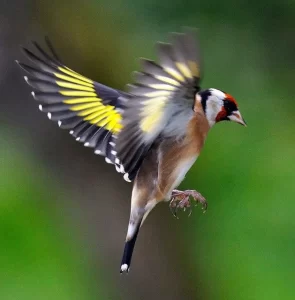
column 153, row 133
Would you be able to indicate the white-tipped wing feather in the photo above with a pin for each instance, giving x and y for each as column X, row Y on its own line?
column 161, row 93
column 90, row 110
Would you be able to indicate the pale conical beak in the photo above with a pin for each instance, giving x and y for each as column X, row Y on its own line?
column 237, row 117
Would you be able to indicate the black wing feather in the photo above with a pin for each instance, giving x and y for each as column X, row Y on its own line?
column 160, row 92
column 90, row 110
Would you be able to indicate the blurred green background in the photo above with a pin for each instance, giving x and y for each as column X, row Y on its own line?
column 64, row 212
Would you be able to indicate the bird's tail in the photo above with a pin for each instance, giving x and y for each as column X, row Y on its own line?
column 129, row 247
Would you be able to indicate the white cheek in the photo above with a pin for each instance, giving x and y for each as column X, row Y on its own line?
column 213, row 108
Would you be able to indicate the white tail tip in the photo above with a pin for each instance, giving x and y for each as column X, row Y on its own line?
column 124, row 268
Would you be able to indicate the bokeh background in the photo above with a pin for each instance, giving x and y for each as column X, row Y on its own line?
column 64, row 212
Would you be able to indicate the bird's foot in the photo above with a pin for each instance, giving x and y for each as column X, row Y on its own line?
column 181, row 199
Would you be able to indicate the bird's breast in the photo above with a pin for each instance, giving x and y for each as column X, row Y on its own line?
column 176, row 157
column 179, row 173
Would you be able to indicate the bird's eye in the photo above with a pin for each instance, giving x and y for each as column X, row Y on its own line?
column 229, row 106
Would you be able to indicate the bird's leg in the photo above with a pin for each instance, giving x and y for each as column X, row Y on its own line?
column 181, row 199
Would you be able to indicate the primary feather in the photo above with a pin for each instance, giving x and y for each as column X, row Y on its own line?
column 90, row 110
column 120, row 126
column 160, row 92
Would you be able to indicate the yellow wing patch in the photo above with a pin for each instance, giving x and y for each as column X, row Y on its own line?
column 80, row 100
column 152, row 114
column 74, row 74
column 184, row 70
column 71, row 79
column 78, row 93
column 92, row 110
column 194, row 68
column 88, row 106
column 174, row 74
column 74, row 86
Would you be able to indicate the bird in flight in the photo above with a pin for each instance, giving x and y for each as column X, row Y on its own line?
column 152, row 133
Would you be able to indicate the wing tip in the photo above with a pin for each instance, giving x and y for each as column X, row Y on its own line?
column 26, row 51
column 126, row 177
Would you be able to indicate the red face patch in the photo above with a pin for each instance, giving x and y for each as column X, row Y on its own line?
column 221, row 115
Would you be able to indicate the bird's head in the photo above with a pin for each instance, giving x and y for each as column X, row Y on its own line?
column 219, row 106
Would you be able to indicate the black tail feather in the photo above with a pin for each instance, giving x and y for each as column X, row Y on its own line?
column 128, row 251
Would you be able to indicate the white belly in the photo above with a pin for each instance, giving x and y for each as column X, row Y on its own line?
column 179, row 173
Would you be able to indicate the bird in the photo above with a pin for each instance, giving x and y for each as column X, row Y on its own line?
column 152, row 133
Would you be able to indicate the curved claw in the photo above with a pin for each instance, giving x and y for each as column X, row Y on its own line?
column 205, row 205
column 190, row 212
column 173, row 208
column 183, row 199
column 173, row 211
column 199, row 199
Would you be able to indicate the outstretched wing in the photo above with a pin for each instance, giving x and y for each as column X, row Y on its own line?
column 160, row 100
column 90, row 110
